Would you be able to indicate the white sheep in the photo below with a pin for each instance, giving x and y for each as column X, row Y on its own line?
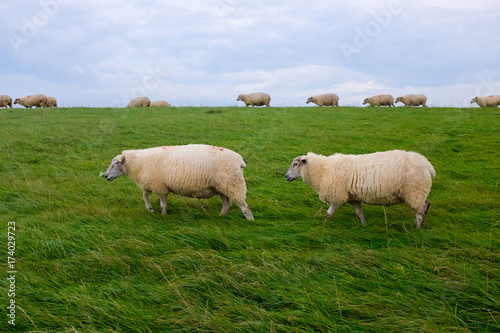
column 380, row 100
column 197, row 171
column 160, row 103
column 487, row 101
column 37, row 100
column 412, row 100
column 255, row 99
column 324, row 100
column 5, row 101
column 51, row 102
column 139, row 102
column 383, row 178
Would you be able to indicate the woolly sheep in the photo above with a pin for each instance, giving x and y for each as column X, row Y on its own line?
column 324, row 100
column 487, row 101
column 159, row 103
column 51, row 102
column 379, row 100
column 37, row 100
column 255, row 99
column 412, row 100
column 139, row 102
column 5, row 101
column 197, row 171
column 383, row 178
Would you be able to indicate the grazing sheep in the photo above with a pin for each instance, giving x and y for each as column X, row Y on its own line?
column 487, row 101
column 197, row 171
column 159, row 103
column 384, row 178
column 412, row 100
column 37, row 100
column 380, row 100
column 5, row 101
column 255, row 99
column 139, row 102
column 324, row 100
column 51, row 102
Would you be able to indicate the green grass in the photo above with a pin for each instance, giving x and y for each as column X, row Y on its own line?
column 90, row 258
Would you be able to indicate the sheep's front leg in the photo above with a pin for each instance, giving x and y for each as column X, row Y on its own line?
column 163, row 203
column 145, row 195
column 359, row 211
column 245, row 209
column 226, row 204
column 331, row 210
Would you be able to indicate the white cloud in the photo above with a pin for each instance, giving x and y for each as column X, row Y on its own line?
column 99, row 53
column 460, row 4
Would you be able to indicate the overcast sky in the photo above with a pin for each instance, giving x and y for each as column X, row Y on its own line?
column 194, row 52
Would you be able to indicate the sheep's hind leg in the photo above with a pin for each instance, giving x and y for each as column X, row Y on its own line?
column 226, row 204
column 331, row 210
column 359, row 211
column 145, row 195
column 420, row 220
column 245, row 209
column 163, row 203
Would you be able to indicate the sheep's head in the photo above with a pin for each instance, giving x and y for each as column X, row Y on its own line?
column 294, row 171
column 366, row 101
column 399, row 99
column 16, row 101
column 309, row 100
column 115, row 170
column 474, row 100
column 240, row 98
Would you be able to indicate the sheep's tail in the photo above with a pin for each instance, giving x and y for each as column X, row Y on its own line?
column 432, row 171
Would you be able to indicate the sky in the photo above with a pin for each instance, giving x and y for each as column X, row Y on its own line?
column 102, row 53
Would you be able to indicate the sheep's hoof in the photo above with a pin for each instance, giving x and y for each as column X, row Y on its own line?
column 151, row 210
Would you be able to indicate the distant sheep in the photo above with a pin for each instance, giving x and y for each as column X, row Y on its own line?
column 412, row 100
column 487, row 101
column 37, row 100
column 197, row 171
column 51, row 102
column 5, row 101
column 159, row 103
column 383, row 178
column 380, row 100
column 324, row 100
column 255, row 99
column 139, row 102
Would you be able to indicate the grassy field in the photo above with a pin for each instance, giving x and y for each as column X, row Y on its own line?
column 91, row 258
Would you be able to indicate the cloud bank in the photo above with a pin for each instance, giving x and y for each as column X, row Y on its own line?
column 103, row 53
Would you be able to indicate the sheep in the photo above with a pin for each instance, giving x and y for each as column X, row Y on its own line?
column 37, row 100
column 197, row 171
column 255, row 99
column 5, row 101
column 380, row 100
column 159, row 103
column 487, row 101
column 382, row 178
column 51, row 102
column 139, row 102
column 412, row 100
column 325, row 99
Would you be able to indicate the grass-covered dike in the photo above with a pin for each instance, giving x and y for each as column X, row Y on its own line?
column 91, row 258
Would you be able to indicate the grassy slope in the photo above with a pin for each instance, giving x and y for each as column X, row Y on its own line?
column 92, row 259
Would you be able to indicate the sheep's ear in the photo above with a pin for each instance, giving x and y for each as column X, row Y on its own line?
column 120, row 159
